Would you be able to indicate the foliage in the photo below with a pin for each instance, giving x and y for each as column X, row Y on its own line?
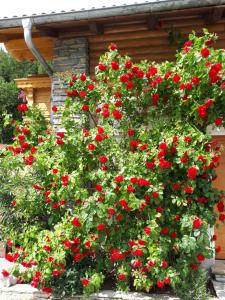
column 194, row 287
column 11, row 69
column 126, row 185
column 8, row 103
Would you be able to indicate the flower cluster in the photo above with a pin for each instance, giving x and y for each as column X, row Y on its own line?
column 126, row 191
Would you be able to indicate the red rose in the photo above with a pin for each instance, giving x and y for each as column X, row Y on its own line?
column 222, row 217
column 142, row 242
column 192, row 173
column 56, row 272
column 119, row 217
column 138, row 252
column 5, row 273
column 155, row 98
column 205, row 52
column 67, row 244
column 197, row 223
column 130, row 189
column 29, row 160
column 118, row 179
column 105, row 113
column 129, row 85
column 83, row 94
column 85, row 281
column 152, row 71
column 200, row 257
column 163, row 146
column 101, row 227
column 91, row 86
column 140, row 74
column 59, row 142
column 103, row 159
column 128, row 64
column 101, row 67
column 209, row 102
column 116, row 255
column 130, row 132
column 54, row 108
column 194, row 266
column 202, row 111
column 123, row 203
column 83, row 77
column 62, row 202
column 150, row 165
column 166, row 280
column 188, row 190
column 124, row 78
column 160, row 284
column 76, row 222
column 176, row 78
column 112, row 47
column 115, row 65
column 111, row 211
column 187, row 139
column 47, row 248
column 78, row 257
column 147, row 230
column 91, row 147
column 98, row 187
column 218, row 121
column 164, row 264
column 173, row 235
column 117, row 114
column 164, row 231
column 218, row 249
column 47, row 290
column 22, row 107
column 122, row 277
column 118, row 103
column 85, row 107
column 164, row 164
column 220, row 206
column 65, row 180
column 195, row 80
column 55, row 205
column 136, row 263
column 155, row 194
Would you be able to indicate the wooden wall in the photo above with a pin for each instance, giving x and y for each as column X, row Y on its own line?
column 139, row 42
column 38, row 91
column 219, row 183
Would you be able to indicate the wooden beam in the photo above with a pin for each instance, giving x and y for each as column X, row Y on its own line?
column 96, row 28
column 50, row 32
column 152, row 22
column 214, row 15
column 17, row 36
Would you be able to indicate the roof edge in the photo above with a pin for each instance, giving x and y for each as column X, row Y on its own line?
column 104, row 12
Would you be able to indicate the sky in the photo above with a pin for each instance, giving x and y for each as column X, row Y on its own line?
column 11, row 8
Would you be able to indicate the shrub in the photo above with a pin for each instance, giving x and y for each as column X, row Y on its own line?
column 124, row 189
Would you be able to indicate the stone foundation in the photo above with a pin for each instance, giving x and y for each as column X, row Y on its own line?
column 26, row 292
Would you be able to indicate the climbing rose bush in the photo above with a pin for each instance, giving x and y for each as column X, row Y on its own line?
column 122, row 190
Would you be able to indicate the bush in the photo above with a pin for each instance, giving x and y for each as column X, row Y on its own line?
column 125, row 190
column 194, row 286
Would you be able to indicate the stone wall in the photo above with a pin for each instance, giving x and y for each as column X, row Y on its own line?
column 69, row 55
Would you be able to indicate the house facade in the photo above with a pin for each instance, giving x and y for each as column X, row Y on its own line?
column 74, row 40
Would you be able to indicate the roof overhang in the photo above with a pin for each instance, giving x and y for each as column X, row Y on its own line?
column 91, row 14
